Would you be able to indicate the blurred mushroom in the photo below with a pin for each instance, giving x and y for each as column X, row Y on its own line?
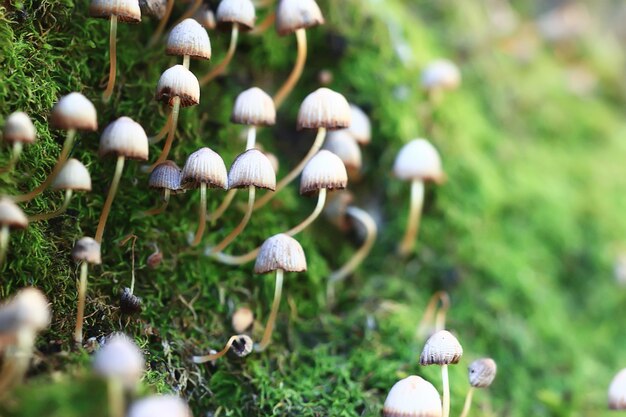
column 425, row 327
column 205, row 16
column 153, row 8
column 481, row 374
column 412, row 397
column 11, row 217
column 617, row 391
column 160, row 406
column 86, row 251
column 360, row 128
column 439, row 76
column 241, row 344
column 242, row 319
column 343, row 144
column 18, row 131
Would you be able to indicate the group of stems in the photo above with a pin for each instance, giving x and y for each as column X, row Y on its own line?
column 171, row 133
column 415, row 213
column 106, row 209
column 47, row 216
column 106, row 96
column 221, row 67
column 440, row 318
column 242, row 224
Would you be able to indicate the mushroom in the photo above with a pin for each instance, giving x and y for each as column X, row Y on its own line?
column 425, row 329
column 86, row 251
column 11, row 217
column 439, row 76
column 481, row 374
column 160, row 406
column 165, row 177
column 242, row 320
column 360, row 128
column 343, row 144
column 418, row 161
column 241, row 344
column 442, row 349
column 617, row 391
column 412, row 397
column 125, row 139
column 126, row 11
column 18, row 131
column 295, row 16
column 205, row 16
column 167, row 12
column 153, row 8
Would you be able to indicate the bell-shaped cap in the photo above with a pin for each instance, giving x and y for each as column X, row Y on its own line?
column 124, row 137
column 252, row 168
column 442, row 348
column 254, row 107
column 292, row 15
column 73, row 176
column 120, row 358
column 204, row 166
column 441, row 74
column 236, row 11
column 242, row 319
column 87, row 249
column 74, row 111
column 482, row 372
column 412, row 397
column 617, row 391
column 153, row 8
column 280, row 252
column 360, row 127
column 160, row 406
column 166, row 176
column 189, row 38
column 127, row 11
column 19, row 128
column 324, row 170
column 205, row 16
column 178, row 81
column 324, row 108
column 12, row 215
column 343, row 144
column 32, row 309
column 418, row 160
column 336, row 209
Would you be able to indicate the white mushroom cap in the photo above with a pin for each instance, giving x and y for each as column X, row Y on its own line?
column 19, row 128
column 482, row 372
column 343, row 144
column 12, row 215
column 418, row 159
column 442, row 348
column 166, row 175
column 252, row 168
column 273, row 160
column 412, row 397
column 160, row 406
column 441, row 74
column 127, row 11
column 361, row 127
column 280, row 252
column 205, row 16
column 204, row 166
column 87, row 249
column 74, row 111
column 32, row 308
column 178, row 81
column 242, row 319
column 324, row 108
column 292, row 15
column 236, row 11
column 124, row 137
column 73, row 176
column 324, row 170
column 154, row 8
column 189, row 38
column 617, row 391
column 120, row 358
column 254, row 107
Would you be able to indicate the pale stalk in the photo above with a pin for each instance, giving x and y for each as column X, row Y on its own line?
column 171, row 134
column 16, row 151
column 221, row 67
column 202, row 216
column 214, row 356
column 80, row 313
column 251, row 139
column 429, row 313
column 242, row 224
column 415, row 213
column 265, row 24
column 468, row 402
column 159, row 30
column 106, row 209
column 446, row 391
column 230, row 195
column 296, row 73
column 321, row 200
column 106, row 96
column 115, row 391
column 269, row 328
column 47, row 216
column 186, row 59
column 161, row 208
column 4, row 242
column 16, row 362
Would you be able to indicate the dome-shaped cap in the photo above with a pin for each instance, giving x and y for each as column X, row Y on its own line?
column 32, row 309
column 73, row 176
column 418, row 159
column 205, row 16
column 324, row 108
column 343, row 144
column 160, row 406
column 167, row 175
column 324, row 170
column 87, row 249
column 360, row 127
column 413, row 397
column 280, row 252
column 124, row 137
column 126, row 10
column 74, row 111
column 236, row 11
column 252, row 168
column 292, row 15
column 178, row 81
column 617, row 391
column 441, row 74
column 482, row 372
column 442, row 348
column 189, row 38
column 120, row 358
column 154, row 8
column 242, row 319
column 254, row 107
column 12, row 215
column 204, row 166
column 19, row 128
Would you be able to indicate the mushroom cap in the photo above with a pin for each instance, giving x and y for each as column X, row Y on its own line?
column 242, row 319
column 412, row 397
column 280, row 252
column 19, row 128
column 617, row 391
column 124, row 137
column 442, row 348
column 236, row 11
column 120, row 358
column 360, row 127
column 441, row 74
column 154, row 8
column 12, row 215
column 87, row 249
column 324, row 170
column 204, row 166
column 127, row 11
column 273, row 160
column 160, row 406
column 167, row 175
column 482, row 372
column 243, row 346
column 336, row 209
column 178, row 81
column 74, row 111
column 189, row 38
column 73, row 176
column 324, row 108
column 418, row 160
column 254, row 107
column 205, row 16
column 292, row 15
column 343, row 144
column 252, row 168
column 32, row 309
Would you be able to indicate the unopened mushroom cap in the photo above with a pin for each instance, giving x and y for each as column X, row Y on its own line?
column 280, row 252
column 154, row 8
column 205, row 16
column 32, row 308
column 236, row 11
column 204, row 166
column 442, row 348
column 441, row 74
column 482, row 372
column 418, row 160
column 167, row 175
column 324, row 108
column 74, row 111
column 160, row 406
column 242, row 319
column 127, row 11
column 19, row 128
column 292, row 15
column 617, row 391
column 120, row 358
column 252, row 168
column 87, row 249
column 254, row 107
column 178, row 81
column 12, row 215
column 73, row 176
column 189, row 38
column 124, row 137
column 412, row 397
column 360, row 127
column 324, row 170
column 343, row 144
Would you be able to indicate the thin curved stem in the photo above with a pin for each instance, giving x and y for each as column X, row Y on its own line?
column 265, row 24
column 242, row 224
column 115, row 391
column 221, row 67
column 468, row 402
column 190, row 11
column 47, row 216
column 429, row 313
column 446, row 391
column 16, row 151
column 4, row 242
column 230, row 195
column 321, row 200
column 159, row 30
column 202, row 216
column 214, row 356
column 106, row 96
column 171, row 135
column 296, row 73
column 163, row 132
column 415, row 213
column 269, row 328
column 80, row 312
column 160, row 209
column 251, row 139
column 106, row 209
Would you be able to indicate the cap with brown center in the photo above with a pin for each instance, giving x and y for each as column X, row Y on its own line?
column 73, row 176
column 292, row 15
column 166, row 175
column 236, row 11
column 178, row 81
column 87, row 249
column 420, row 160
column 205, row 16
column 324, row 170
column 126, row 10
column 324, row 108
column 189, row 38
column 11, row 215
column 204, row 166
column 124, row 137
column 343, row 144
column 412, row 397
column 441, row 74
column 19, row 128
column 280, row 252
column 74, row 111
column 617, row 391
column 252, row 168
column 154, row 8
column 361, row 127
column 442, row 348
column 482, row 372
column 254, row 107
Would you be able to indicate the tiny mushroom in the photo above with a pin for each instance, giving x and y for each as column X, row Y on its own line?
column 412, row 396
column 439, row 76
column 86, row 251
column 205, row 16
column 11, row 217
column 18, row 131
column 165, row 177
column 241, row 344
column 481, row 374
column 242, row 319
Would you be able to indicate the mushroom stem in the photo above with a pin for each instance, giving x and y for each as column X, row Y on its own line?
column 468, row 402
column 251, row 141
column 170, row 136
column 163, row 132
column 16, row 362
column 423, row 327
column 230, row 195
column 317, row 144
column 4, row 242
column 415, row 212
column 214, row 356
column 106, row 96
column 321, row 200
column 446, row 390
column 202, row 216
column 115, row 182
column 265, row 24
column 16, row 151
column 47, row 216
column 67, row 147
column 242, row 224
column 159, row 30
column 160, row 209
column 296, row 73
column 221, row 67
column 115, row 391
column 80, row 313
column 186, row 59
column 269, row 328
